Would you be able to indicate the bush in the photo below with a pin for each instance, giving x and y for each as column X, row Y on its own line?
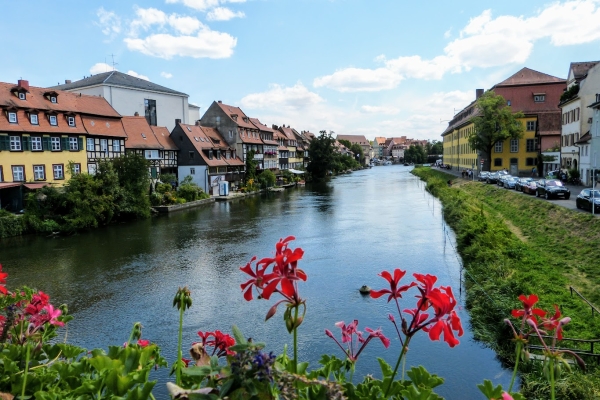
column 190, row 191
column 10, row 224
column 267, row 179
column 164, row 188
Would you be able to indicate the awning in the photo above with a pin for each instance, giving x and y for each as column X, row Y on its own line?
column 295, row 171
column 6, row 185
column 35, row 185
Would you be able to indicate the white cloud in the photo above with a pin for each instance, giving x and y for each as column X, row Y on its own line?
column 167, row 75
column 484, row 42
column 109, row 22
column 133, row 73
column 296, row 97
column 223, row 14
column 386, row 110
column 177, row 35
column 203, row 5
column 359, row 80
column 99, row 68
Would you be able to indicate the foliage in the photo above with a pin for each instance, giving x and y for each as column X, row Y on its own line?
column 358, row 150
column 168, row 178
column 574, row 173
column 569, row 93
column 251, row 165
column 434, row 148
column 134, row 180
column 267, row 179
column 190, row 191
column 322, row 155
column 415, row 154
column 494, row 123
column 11, row 224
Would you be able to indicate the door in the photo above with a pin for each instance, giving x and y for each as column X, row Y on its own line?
column 514, row 167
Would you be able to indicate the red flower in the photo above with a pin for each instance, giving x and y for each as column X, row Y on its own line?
column 555, row 323
column 3, row 276
column 37, row 303
column 221, row 342
column 256, row 280
column 352, row 349
column 186, row 361
column 445, row 319
column 395, row 292
column 528, row 311
column 143, row 343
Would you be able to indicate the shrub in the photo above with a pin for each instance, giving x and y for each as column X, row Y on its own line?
column 164, row 187
column 189, row 190
column 267, row 178
column 10, row 224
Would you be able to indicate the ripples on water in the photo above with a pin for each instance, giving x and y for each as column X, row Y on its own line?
column 351, row 229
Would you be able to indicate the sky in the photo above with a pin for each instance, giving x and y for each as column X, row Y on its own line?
column 365, row 67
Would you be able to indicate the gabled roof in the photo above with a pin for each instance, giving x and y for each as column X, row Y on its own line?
column 205, row 139
column 139, row 134
column 527, row 76
column 104, row 126
column 287, row 132
column 164, row 138
column 380, row 140
column 264, row 128
column 580, row 69
column 237, row 115
column 116, row 78
column 359, row 139
column 585, row 138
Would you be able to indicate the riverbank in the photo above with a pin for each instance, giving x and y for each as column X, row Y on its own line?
column 512, row 245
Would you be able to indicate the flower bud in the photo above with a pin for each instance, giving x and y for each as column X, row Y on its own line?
column 271, row 312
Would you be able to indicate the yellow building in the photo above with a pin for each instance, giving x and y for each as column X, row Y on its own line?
column 457, row 151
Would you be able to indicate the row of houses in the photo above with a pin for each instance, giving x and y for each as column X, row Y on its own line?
column 561, row 118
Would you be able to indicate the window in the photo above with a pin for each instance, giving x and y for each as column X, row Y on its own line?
column 539, row 98
column 22, row 96
column 228, row 155
column 58, row 171
column 38, row 173
column 497, row 162
column 71, row 121
column 75, row 169
column 73, row 145
column 530, row 145
column 508, row 102
column 53, row 120
column 12, row 117
column 1, row 176
column 531, row 125
column 514, row 145
column 52, row 99
column 230, row 133
column 192, row 171
column 55, row 141
column 498, row 147
column 150, row 111
column 18, row 173
column 218, row 154
column 152, row 155
column 33, row 118
column 104, row 145
column 36, row 143
column 116, row 145
column 90, row 144
column 92, row 169
column 210, row 154
column 15, row 143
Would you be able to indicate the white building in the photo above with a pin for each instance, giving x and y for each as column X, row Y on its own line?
column 127, row 94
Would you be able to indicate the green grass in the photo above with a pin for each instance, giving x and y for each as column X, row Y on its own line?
column 513, row 244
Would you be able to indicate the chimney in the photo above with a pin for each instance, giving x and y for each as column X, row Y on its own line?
column 198, row 123
column 220, row 102
column 136, row 114
column 23, row 84
column 275, row 127
column 67, row 81
column 478, row 93
column 177, row 121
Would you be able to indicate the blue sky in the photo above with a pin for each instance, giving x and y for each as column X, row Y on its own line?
column 377, row 68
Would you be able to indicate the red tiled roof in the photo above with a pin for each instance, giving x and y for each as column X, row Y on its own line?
column 203, row 138
column 580, row 69
column 104, row 126
column 527, row 76
column 164, row 137
column 237, row 115
column 358, row 139
column 25, row 126
column 139, row 134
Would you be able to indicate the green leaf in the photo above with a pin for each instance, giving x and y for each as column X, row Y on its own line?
column 420, row 377
column 386, row 369
column 237, row 334
column 488, row 389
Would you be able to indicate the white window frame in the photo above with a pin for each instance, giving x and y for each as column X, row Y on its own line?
column 36, row 143
column 91, row 169
column 12, row 117
column 104, row 145
column 33, row 118
column 91, row 145
column 514, row 145
column 116, row 145
column 192, row 171
column 76, row 169
column 39, row 173
column 58, row 171
column 55, row 143
column 498, row 147
column 15, row 143
column 532, row 125
column 18, row 172
column 22, row 96
column 53, row 120
column 71, row 121
column 53, row 99
column 73, row 144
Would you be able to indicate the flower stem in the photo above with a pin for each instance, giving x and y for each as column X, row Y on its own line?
column 552, row 395
column 26, row 371
column 518, row 357
column 295, row 340
column 402, row 353
column 179, row 354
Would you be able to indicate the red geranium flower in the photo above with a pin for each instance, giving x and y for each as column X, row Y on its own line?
column 3, row 276
column 395, row 291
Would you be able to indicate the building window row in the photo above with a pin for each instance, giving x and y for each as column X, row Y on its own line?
column 40, row 143
column 39, row 172
column 34, row 120
column 570, row 116
column 102, row 145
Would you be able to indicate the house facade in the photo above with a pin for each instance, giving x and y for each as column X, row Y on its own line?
column 270, row 153
column 362, row 141
column 295, row 157
column 128, row 94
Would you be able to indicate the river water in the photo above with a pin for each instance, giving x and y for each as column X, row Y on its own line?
column 351, row 229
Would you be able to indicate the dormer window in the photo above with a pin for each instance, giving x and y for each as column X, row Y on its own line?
column 53, row 120
column 22, row 96
column 210, row 154
column 12, row 117
column 539, row 97
column 144, row 135
column 33, row 118
column 71, row 121
column 218, row 154
column 53, row 99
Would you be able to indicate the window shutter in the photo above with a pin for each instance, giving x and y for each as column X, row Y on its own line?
column 64, row 143
column 79, row 143
column 46, row 143
column 26, row 143
column 4, row 142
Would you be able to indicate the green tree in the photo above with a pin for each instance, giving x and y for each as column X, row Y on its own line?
column 134, row 178
column 357, row 149
column 435, row 148
column 322, row 156
column 345, row 143
column 250, row 166
column 267, row 178
column 495, row 123
column 415, row 154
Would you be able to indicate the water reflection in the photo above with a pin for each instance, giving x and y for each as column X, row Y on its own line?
column 351, row 229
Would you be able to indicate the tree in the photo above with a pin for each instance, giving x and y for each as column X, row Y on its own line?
column 415, row 154
column 322, row 156
column 267, row 178
column 345, row 143
column 495, row 123
column 357, row 149
column 250, row 166
column 435, row 148
column 134, row 178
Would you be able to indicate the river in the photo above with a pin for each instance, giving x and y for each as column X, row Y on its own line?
column 351, row 229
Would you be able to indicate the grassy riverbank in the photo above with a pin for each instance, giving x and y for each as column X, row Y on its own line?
column 513, row 244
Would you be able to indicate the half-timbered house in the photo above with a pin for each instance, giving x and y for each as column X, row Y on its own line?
column 168, row 162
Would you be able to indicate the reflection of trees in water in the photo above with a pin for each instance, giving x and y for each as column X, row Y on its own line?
column 322, row 191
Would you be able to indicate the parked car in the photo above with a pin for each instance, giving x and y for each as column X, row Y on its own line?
column 530, row 187
column 510, row 182
column 552, row 188
column 586, row 197
column 502, row 178
column 521, row 182
column 483, row 175
column 493, row 176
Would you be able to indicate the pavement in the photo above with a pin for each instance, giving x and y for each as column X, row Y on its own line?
column 570, row 204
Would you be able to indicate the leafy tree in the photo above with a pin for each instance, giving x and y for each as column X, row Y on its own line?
column 435, row 148
column 133, row 174
column 495, row 123
column 267, row 178
column 345, row 143
column 415, row 154
column 250, row 166
column 357, row 149
column 322, row 156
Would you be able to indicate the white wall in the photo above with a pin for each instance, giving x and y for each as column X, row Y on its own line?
column 199, row 176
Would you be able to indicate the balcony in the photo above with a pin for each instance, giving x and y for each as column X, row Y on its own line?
column 258, row 156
